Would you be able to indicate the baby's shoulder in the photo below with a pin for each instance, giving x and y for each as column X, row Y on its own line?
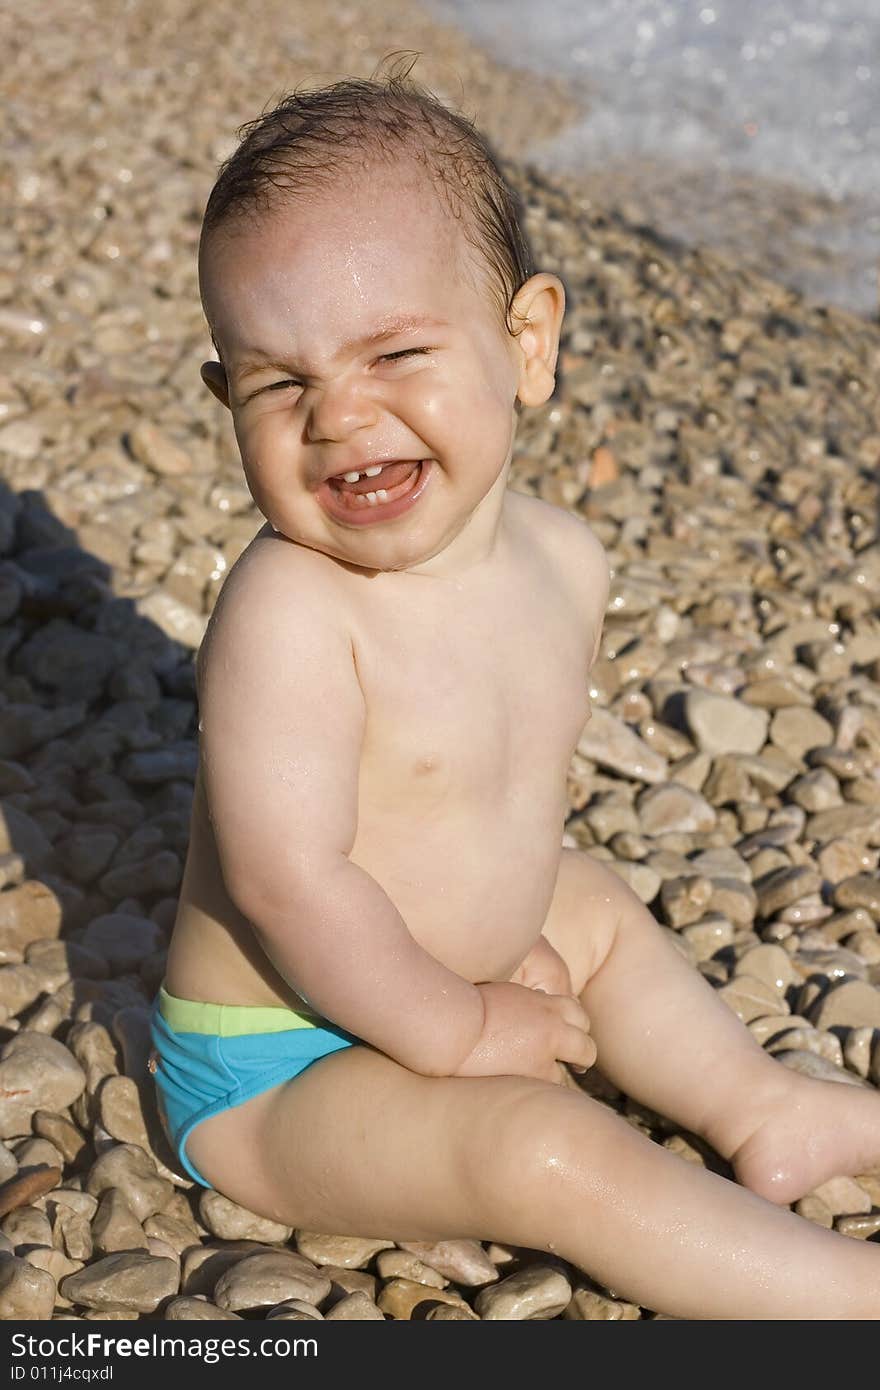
column 275, row 588
column 565, row 538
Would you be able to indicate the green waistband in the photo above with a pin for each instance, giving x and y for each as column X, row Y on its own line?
column 228, row 1020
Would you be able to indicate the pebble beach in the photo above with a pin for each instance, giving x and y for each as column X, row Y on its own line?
column 720, row 433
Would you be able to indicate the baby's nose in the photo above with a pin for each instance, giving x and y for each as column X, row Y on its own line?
column 340, row 409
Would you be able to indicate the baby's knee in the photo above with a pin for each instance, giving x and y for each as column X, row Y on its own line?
column 525, row 1139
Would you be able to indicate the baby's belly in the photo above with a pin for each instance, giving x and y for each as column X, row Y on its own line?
column 474, row 889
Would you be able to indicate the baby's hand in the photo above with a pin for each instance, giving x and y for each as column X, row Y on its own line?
column 543, row 968
column 526, row 1033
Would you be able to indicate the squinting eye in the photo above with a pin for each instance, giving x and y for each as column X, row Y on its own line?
column 404, row 352
column 280, row 385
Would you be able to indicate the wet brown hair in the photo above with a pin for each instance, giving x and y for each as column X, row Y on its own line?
column 310, row 138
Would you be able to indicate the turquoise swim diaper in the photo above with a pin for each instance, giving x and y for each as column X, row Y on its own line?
column 210, row 1057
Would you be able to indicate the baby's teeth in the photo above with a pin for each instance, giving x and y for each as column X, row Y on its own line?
column 371, row 498
column 371, row 472
column 382, row 494
column 351, row 477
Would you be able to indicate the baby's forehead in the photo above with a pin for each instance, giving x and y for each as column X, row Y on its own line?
column 350, row 237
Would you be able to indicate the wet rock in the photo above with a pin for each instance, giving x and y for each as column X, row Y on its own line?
column 462, row 1261
column 853, row 1004
column 126, row 1280
column 536, row 1292
column 128, row 1168
column 26, row 1293
column 295, row 1310
column 36, row 1073
column 265, row 1280
column 722, row 725
column 404, row 1299
column 348, row 1252
column 115, row 1226
column 667, row 808
column 197, row 1309
column 355, row 1307
column 229, row 1221
column 588, row 1305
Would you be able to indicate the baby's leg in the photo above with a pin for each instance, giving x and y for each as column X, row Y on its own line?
column 359, row 1145
column 666, row 1040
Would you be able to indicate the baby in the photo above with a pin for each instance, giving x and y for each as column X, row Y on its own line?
column 383, row 955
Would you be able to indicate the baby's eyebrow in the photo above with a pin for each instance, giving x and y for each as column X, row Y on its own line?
column 255, row 360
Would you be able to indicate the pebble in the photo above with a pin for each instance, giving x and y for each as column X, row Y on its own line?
column 348, row 1252
column 402, row 1298
column 266, row 1279
column 127, row 1167
column 356, row 1307
column 229, row 1221
column 115, row 1226
column 127, row 1280
column 536, row 1292
column 26, row 1292
column 36, row 1073
column 718, row 724
column 197, row 1309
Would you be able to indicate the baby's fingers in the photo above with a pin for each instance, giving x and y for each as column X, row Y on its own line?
column 578, row 1049
column 572, row 1011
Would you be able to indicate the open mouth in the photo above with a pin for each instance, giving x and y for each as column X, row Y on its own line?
column 376, row 486
column 379, row 493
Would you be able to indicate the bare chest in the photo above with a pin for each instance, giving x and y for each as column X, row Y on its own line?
column 471, row 697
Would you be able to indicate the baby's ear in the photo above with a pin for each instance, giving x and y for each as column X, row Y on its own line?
column 539, row 305
column 214, row 377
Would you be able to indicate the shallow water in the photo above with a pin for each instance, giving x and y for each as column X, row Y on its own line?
column 750, row 125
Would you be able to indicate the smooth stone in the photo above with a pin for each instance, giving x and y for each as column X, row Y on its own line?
column 768, row 963
column 750, row 997
column 127, row 1167
column 536, row 1292
column 462, row 1261
column 684, row 900
column 798, row 729
column 857, row 822
column 36, row 1073
column 185, row 1309
column 859, row 1227
column 400, row 1264
column 719, row 724
column 129, row 1279
column 175, row 1233
column 349, row 1252
column 61, row 1132
column 853, row 1004
column 26, row 1293
column 115, row 1226
column 735, row 900
column 809, row 1039
column 843, row 1196
column 671, row 807
column 859, row 891
column 295, row 1310
column 610, row 743
column 202, row 1264
column 29, row 913
column 783, row 886
column 819, row 1068
column 229, row 1221
column 814, row 1209
column 264, row 1280
column 449, row 1312
column 36, row 1176
column 401, row 1298
column 588, row 1305
column 355, row 1307
column 27, row 1225
column 122, row 940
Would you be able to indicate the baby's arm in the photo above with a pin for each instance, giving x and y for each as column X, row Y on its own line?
column 282, row 722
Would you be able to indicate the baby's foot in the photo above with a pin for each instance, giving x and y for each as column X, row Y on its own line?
column 812, row 1131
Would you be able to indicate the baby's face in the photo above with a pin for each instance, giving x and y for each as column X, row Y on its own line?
column 294, row 301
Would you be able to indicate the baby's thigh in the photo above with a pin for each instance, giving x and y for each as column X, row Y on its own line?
column 588, row 902
column 358, row 1144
